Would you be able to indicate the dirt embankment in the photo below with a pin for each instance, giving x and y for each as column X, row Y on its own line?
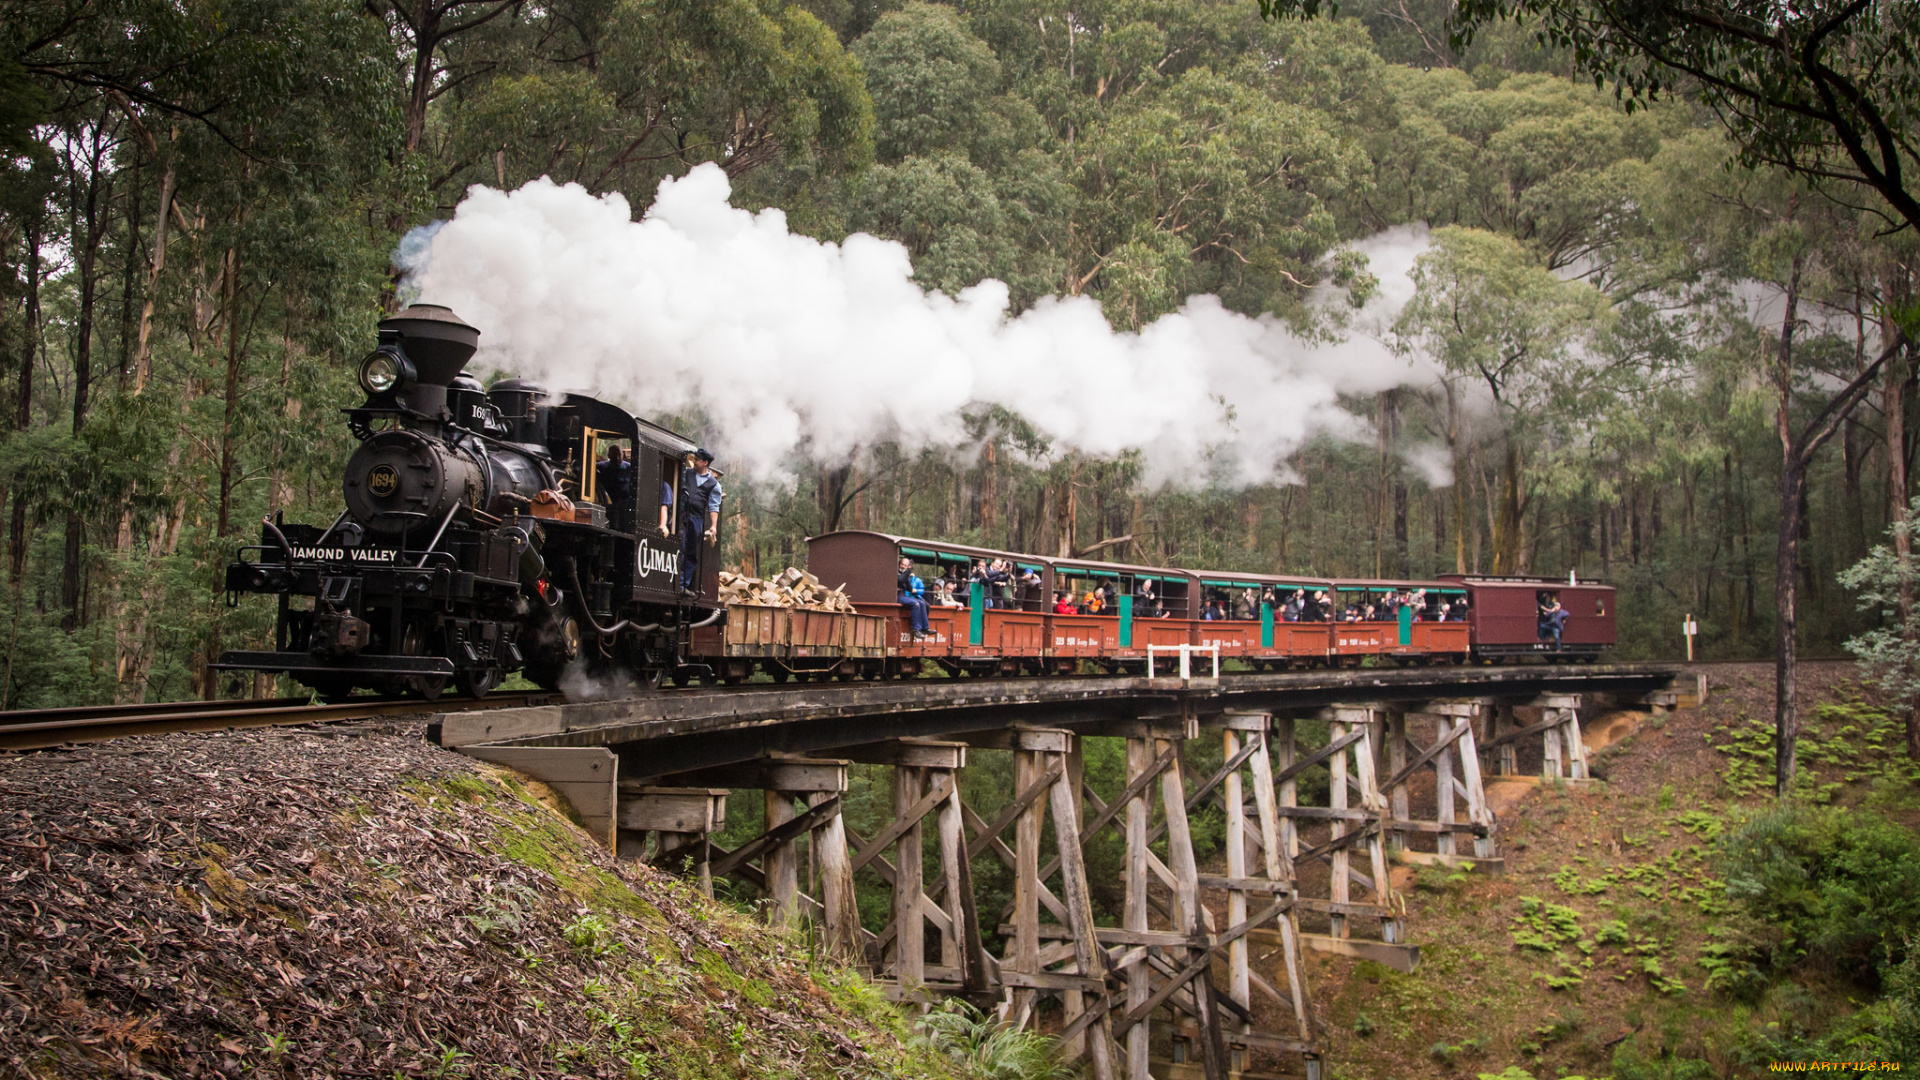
column 352, row 901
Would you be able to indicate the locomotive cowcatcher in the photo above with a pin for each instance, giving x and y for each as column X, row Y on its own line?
column 484, row 533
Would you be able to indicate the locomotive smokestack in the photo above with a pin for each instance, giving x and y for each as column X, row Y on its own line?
column 436, row 340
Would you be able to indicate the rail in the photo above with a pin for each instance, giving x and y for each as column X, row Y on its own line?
column 39, row 729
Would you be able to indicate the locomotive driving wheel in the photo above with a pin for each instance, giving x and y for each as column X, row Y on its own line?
column 414, row 643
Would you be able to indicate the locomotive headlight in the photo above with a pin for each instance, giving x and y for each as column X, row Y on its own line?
column 382, row 371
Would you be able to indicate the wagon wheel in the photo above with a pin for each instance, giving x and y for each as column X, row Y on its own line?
column 778, row 673
column 476, row 682
column 333, row 691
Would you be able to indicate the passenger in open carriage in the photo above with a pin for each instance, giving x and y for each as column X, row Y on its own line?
column 942, row 594
column 1291, row 613
column 1031, row 590
column 982, row 575
column 1247, row 604
column 910, row 589
column 1063, row 604
column 1000, row 583
column 1146, row 603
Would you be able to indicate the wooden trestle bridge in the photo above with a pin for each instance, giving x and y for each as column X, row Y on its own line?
column 1203, row 975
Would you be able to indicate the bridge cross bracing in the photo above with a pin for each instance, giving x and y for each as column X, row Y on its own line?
column 1325, row 781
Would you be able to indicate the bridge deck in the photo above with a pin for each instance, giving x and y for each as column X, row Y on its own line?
column 677, row 731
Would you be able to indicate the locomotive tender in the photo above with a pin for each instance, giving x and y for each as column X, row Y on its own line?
column 477, row 540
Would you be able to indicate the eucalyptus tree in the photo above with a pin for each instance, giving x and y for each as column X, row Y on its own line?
column 966, row 175
column 1498, row 321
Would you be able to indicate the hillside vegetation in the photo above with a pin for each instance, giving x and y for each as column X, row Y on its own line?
column 1673, row 924
column 351, row 901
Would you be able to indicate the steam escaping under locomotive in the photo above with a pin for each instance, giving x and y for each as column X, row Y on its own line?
column 476, row 539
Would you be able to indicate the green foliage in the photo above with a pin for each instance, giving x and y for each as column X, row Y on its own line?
column 1544, row 927
column 589, row 934
column 988, row 1048
column 1826, row 888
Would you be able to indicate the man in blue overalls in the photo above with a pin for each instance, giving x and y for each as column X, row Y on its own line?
column 700, row 497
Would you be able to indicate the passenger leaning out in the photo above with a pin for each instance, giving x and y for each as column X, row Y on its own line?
column 911, row 587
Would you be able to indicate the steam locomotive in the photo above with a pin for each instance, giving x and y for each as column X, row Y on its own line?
column 475, row 539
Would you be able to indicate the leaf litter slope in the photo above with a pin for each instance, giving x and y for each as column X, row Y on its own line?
column 352, row 901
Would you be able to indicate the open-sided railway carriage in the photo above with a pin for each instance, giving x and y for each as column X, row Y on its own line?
column 1017, row 631
column 486, row 531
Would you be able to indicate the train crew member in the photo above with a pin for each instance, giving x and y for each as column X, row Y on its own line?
column 910, row 589
column 613, row 478
column 666, row 505
column 700, row 497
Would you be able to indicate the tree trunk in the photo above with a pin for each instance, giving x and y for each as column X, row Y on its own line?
column 989, row 491
column 89, row 253
column 231, row 407
column 1067, row 510
column 1508, row 522
column 426, row 39
column 1786, row 578
column 156, row 263
column 1459, row 481
column 23, row 405
column 1894, row 406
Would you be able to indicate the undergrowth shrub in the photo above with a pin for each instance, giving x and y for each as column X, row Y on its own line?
column 988, row 1047
column 1821, row 886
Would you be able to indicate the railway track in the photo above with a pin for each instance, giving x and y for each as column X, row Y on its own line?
column 38, row 729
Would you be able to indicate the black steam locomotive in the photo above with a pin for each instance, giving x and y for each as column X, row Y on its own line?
column 477, row 538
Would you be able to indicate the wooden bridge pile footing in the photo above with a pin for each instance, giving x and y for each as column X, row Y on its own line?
column 1203, row 975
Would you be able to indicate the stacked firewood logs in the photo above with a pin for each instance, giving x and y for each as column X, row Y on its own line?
column 792, row 588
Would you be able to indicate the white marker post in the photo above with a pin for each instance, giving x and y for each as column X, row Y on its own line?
column 1689, row 628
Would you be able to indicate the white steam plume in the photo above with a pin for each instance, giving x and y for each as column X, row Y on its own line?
column 791, row 346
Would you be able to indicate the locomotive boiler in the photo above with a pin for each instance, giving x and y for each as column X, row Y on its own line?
column 484, row 533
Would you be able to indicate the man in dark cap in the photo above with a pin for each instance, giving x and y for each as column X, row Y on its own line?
column 700, row 497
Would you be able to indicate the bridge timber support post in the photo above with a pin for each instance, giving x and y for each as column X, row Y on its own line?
column 1258, row 878
column 679, row 819
column 818, row 784
column 1455, row 762
column 1349, row 758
